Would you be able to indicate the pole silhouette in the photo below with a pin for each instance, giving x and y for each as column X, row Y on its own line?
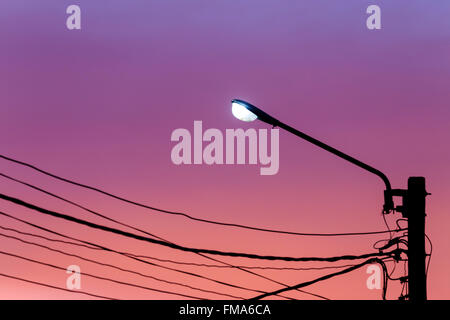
column 415, row 212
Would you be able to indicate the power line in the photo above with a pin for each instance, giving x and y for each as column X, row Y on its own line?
column 308, row 283
column 106, row 193
column 185, row 214
column 145, row 232
column 429, row 256
column 102, row 278
column 101, row 263
column 180, row 262
column 178, row 247
column 245, row 266
column 203, row 249
column 170, row 261
column 54, row 287
column 48, row 239
column 75, row 204
column 130, row 256
column 119, row 268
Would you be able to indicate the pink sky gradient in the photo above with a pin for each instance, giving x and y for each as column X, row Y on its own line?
column 99, row 105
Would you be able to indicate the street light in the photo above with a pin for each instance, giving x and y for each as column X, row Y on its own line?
column 247, row 112
column 413, row 207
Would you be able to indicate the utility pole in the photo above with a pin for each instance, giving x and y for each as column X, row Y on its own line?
column 414, row 211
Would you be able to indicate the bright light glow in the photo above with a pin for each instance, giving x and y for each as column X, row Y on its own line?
column 241, row 112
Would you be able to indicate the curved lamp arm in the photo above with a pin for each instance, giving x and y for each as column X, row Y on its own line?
column 261, row 115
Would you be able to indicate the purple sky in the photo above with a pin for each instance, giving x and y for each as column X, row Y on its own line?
column 98, row 105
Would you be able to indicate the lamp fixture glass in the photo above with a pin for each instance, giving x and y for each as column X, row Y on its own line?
column 242, row 113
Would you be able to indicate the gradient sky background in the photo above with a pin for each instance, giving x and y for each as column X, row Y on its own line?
column 99, row 106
